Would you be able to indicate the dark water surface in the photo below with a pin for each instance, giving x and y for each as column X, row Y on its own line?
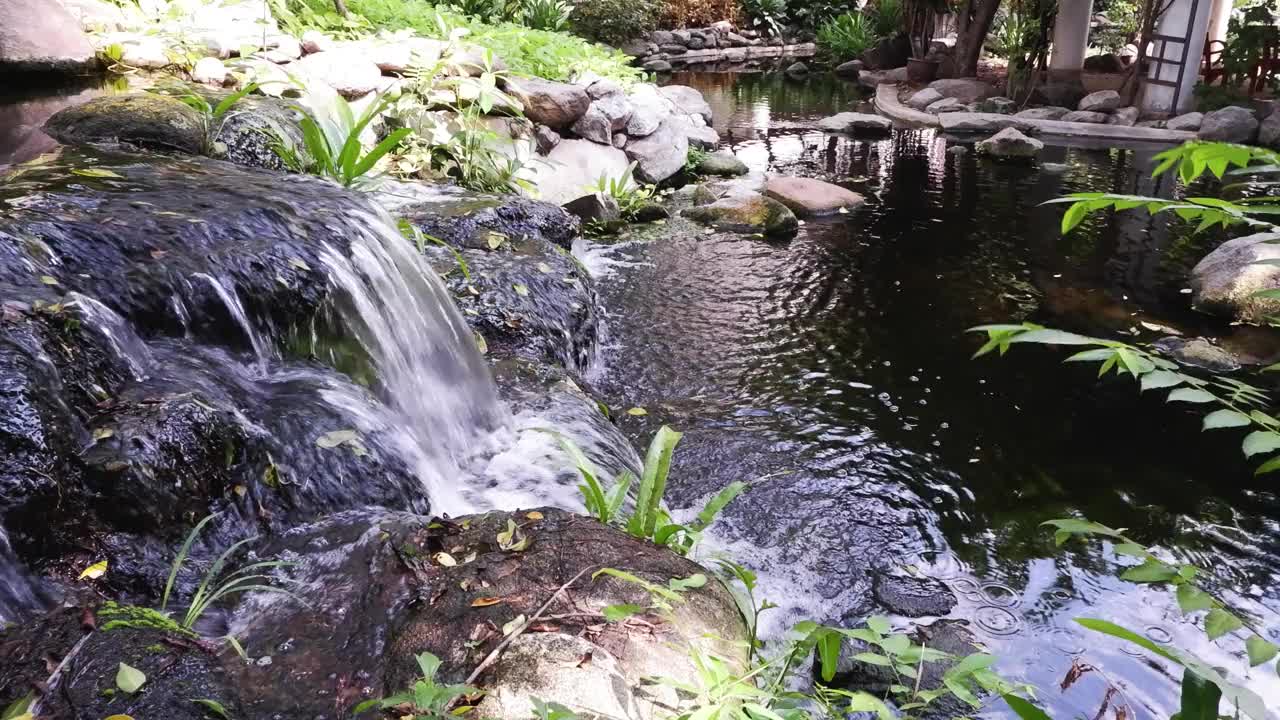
column 833, row 373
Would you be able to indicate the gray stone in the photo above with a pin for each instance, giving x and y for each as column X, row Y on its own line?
column 662, row 37
column 1042, row 113
column 657, row 66
column 673, row 49
column 984, row 123
column 797, row 69
column 41, row 36
column 947, row 105
column 96, row 15
column 966, row 90
column 912, row 596
column 1084, row 116
column 595, row 126
column 1103, row 101
column 687, row 100
column 808, row 197
column 1189, row 122
column 1225, row 282
column 616, row 109
column 1231, row 124
column 747, row 213
column 554, row 104
column 661, row 154
column 1198, row 353
column 1269, row 131
column 349, row 72
column 146, row 52
column 1010, row 143
column 849, row 69
column 573, row 166
column 596, row 207
column 314, row 41
column 1125, row 116
column 722, row 163
column 699, row 136
column 852, row 122
column 147, row 120
column 603, row 87
column 924, row 98
column 209, row 71
column 998, row 105
column 636, row 48
column 546, row 139
column 649, row 108
column 619, row 140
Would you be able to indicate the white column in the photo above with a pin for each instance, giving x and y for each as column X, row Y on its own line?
column 1219, row 16
column 1159, row 98
column 1071, row 35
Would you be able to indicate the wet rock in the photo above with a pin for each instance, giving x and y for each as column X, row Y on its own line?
column 661, row 154
column 1225, row 281
column 1084, row 116
column 554, row 104
column 656, row 66
column 146, row 120
column 1010, row 143
column 1198, row 353
column 1042, row 113
column 924, row 98
column 1269, row 131
column 651, row 212
column 210, row 71
column 849, row 69
column 688, row 101
column 349, row 72
column 596, row 207
column 1188, row 122
column 966, row 90
column 27, row 649
column 746, row 214
column 1102, row 101
column 947, row 105
column 724, row 164
column 468, row 220
column 852, row 122
column 254, row 124
column 40, row 36
column 1232, row 124
column 1125, row 116
column 808, row 197
column 913, row 596
column 797, row 70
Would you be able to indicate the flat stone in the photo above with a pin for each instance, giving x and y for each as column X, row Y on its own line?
column 849, row 69
column 554, row 104
column 947, row 105
column 1103, row 101
column 1125, row 116
column 808, row 197
column 999, row 105
column 1225, row 282
column 966, row 90
column 41, row 36
column 722, row 163
column 1010, row 143
column 1189, row 122
column 688, row 100
column 1084, row 116
column 924, row 98
column 657, row 66
column 1233, row 124
column 349, row 72
column 1043, row 113
column 1198, row 353
column 852, row 122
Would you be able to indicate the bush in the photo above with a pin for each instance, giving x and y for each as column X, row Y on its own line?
column 616, row 21
column 846, row 36
column 697, row 13
column 766, row 16
column 886, row 18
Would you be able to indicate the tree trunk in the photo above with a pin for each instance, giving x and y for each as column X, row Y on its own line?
column 341, row 7
column 973, row 22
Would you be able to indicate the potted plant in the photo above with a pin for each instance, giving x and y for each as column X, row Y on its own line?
column 921, row 17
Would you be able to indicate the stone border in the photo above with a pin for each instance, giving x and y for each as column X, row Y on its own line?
column 888, row 104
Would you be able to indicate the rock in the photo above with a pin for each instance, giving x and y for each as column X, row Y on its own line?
column 656, row 66
column 661, row 154
column 554, row 104
column 947, row 105
column 724, row 164
column 673, row 49
column 733, row 39
column 797, row 69
column 747, row 213
column 546, row 139
column 390, row 57
column 349, row 72
column 1084, row 116
column 648, row 109
column 998, row 105
column 145, row 52
column 697, row 134
column 573, row 166
column 247, row 133
column 924, row 98
column 965, row 90
column 96, row 15
column 808, row 197
column 1042, row 113
column 636, row 48
column 1102, row 101
column 146, row 120
column 314, row 41
column 1189, row 122
column 1225, row 281
column 1269, row 131
column 616, row 109
column 650, row 212
column 983, row 123
column 852, row 122
column 40, row 36
column 272, row 79
column 849, row 69
column 1010, row 143
column 287, row 48
column 912, row 596
column 1198, row 353
column 662, row 37
column 688, row 101
column 1125, row 116
column 594, row 125
column 596, row 207
column 1103, row 63
column 210, row 71
column 1231, row 124
column 619, row 140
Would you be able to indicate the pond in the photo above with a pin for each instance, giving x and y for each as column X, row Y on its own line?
column 833, row 373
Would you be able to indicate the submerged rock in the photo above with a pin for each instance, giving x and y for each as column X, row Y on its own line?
column 913, row 596
column 808, row 197
column 145, row 120
column 1226, row 281
column 751, row 213
column 1199, row 353
column 852, row 122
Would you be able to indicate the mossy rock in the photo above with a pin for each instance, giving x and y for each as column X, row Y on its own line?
column 145, row 120
column 746, row 214
column 723, row 164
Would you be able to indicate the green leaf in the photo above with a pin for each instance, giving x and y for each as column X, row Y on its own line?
column 718, row 503
column 1269, row 466
column 1200, row 698
column 972, row 663
column 1114, row 630
column 1151, row 571
column 1024, row 708
column 1225, row 419
column 1074, row 215
column 1191, row 395
column 1160, row 379
column 692, row 582
column 1219, row 622
column 615, row 613
column 829, row 654
column 1260, row 441
column 865, row 702
column 872, row 659
column 129, row 679
column 1052, row 337
column 95, row 173
column 1260, row 650
column 879, row 624
column 213, row 706
column 1192, row 598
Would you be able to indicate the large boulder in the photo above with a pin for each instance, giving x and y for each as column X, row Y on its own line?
column 724, row 164
column 849, row 69
column 573, row 166
column 40, row 36
column 808, row 197
column 1103, row 101
column 1233, row 124
column 966, row 90
column 1189, row 122
column 1269, row 131
column 248, row 133
column 688, row 101
column 660, row 154
column 1010, row 143
column 649, row 107
column 852, row 122
column 746, row 213
column 349, row 71
column 1125, row 116
column 1226, row 280
column 554, row 104
column 145, row 120
column 604, row 117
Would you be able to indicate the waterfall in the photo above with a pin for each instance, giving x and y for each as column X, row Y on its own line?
column 17, row 591
column 227, row 293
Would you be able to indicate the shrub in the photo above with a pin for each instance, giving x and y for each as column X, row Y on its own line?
column 886, row 18
column 616, row 21
column 697, row 13
column 766, row 16
column 846, row 36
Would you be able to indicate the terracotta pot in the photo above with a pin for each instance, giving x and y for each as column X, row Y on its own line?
column 922, row 71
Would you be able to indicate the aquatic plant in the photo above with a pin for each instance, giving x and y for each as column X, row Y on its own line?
column 846, row 36
column 332, row 145
column 630, row 195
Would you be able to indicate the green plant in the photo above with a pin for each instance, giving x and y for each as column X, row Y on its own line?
column 426, row 699
column 766, row 16
column 1121, row 26
column 332, row 146
column 694, row 158
column 615, row 21
column 1250, row 32
column 630, row 195
column 213, row 117
column 483, row 10
column 419, row 238
column 550, row 15
column 886, row 18
column 214, row 585
column 1215, row 97
column 846, row 36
